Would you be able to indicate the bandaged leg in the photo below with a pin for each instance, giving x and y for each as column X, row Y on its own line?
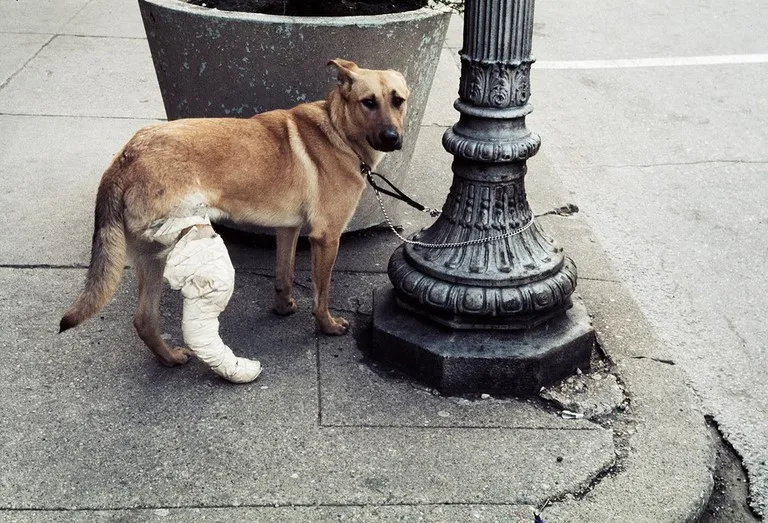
column 199, row 266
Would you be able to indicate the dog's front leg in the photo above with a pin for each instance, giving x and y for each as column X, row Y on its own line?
column 324, row 246
column 286, row 238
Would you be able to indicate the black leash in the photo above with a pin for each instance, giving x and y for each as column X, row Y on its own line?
column 400, row 195
column 397, row 194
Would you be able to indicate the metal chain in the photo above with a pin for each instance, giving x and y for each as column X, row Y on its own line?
column 508, row 234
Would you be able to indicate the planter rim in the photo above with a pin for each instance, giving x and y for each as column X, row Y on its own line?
column 360, row 20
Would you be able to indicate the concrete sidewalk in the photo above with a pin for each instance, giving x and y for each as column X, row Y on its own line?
column 93, row 429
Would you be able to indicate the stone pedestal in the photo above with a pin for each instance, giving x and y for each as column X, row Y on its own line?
column 493, row 361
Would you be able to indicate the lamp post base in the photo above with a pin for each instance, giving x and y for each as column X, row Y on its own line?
column 492, row 361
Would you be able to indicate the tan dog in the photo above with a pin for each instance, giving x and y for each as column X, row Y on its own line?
column 282, row 169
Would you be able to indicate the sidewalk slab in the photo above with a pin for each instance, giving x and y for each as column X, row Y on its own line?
column 87, row 76
column 454, row 37
column 94, row 400
column 17, row 50
column 445, row 91
column 666, row 448
column 98, row 19
column 47, row 16
column 505, row 513
column 52, row 169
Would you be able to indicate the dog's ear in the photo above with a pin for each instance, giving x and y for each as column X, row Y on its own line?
column 346, row 71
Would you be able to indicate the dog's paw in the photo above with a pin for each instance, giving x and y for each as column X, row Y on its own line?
column 336, row 327
column 285, row 309
column 178, row 356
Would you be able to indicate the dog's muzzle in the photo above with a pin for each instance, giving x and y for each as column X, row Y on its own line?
column 389, row 140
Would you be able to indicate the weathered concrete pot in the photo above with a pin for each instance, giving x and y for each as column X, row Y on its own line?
column 218, row 63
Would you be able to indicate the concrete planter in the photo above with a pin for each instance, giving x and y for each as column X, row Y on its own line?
column 216, row 63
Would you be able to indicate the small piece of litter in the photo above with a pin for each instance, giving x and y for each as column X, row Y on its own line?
column 578, row 371
column 443, row 413
column 567, row 414
column 264, row 387
column 485, row 396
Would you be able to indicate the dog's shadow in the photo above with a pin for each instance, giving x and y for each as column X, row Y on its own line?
column 248, row 325
column 366, row 251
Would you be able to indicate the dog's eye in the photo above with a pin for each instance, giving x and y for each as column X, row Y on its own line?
column 397, row 101
column 369, row 103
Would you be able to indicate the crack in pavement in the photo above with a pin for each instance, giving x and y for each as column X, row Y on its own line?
column 659, row 360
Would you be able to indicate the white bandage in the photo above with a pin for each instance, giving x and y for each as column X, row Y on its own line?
column 201, row 269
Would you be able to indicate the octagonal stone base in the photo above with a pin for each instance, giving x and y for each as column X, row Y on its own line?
column 500, row 362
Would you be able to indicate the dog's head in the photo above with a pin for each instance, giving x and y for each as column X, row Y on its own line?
column 375, row 104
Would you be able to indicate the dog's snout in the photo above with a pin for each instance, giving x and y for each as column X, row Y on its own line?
column 390, row 138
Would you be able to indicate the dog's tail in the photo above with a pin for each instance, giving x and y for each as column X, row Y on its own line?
column 107, row 253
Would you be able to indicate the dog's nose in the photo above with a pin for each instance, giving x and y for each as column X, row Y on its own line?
column 390, row 138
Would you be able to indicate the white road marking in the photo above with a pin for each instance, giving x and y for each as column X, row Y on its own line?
column 623, row 63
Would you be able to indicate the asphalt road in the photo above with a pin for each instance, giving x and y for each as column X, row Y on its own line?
column 656, row 118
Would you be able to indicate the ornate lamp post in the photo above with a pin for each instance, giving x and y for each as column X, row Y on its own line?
column 485, row 315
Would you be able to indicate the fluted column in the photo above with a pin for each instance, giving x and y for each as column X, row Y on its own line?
column 520, row 281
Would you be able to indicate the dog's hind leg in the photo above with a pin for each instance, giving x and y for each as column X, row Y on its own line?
column 199, row 266
column 147, row 318
column 286, row 238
